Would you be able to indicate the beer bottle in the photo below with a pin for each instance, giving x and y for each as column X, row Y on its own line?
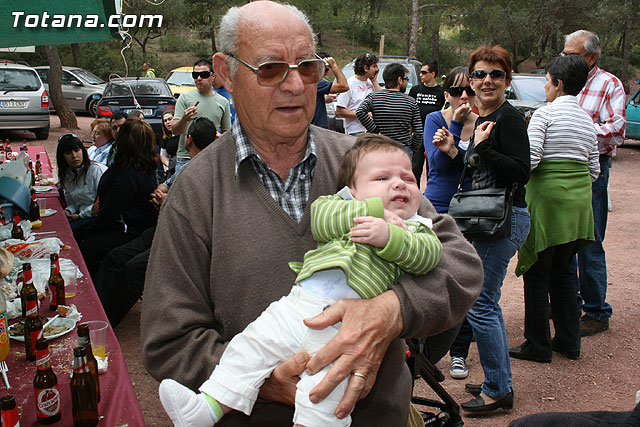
column 33, row 175
column 16, row 231
column 38, row 165
column 84, row 404
column 56, row 283
column 32, row 323
column 45, row 385
column 9, row 411
column 34, row 209
column 27, row 287
column 84, row 340
column 7, row 149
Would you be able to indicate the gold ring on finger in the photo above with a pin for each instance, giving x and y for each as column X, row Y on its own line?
column 358, row 374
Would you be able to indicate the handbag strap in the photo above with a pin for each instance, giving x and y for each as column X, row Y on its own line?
column 466, row 161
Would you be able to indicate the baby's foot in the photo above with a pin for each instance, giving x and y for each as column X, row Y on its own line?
column 184, row 407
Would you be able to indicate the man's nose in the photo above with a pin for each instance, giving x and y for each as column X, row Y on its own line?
column 293, row 82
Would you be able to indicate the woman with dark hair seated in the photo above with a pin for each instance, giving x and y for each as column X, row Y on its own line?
column 78, row 177
column 564, row 163
column 123, row 207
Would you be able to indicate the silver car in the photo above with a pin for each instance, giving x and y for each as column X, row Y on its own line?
column 24, row 102
column 526, row 93
column 81, row 88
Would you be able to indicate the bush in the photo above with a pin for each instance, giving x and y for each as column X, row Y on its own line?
column 173, row 43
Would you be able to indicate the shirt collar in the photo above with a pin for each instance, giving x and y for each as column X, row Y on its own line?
column 244, row 149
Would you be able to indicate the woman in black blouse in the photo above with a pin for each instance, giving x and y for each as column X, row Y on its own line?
column 123, row 207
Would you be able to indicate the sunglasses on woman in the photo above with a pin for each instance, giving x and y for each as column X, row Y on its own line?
column 275, row 72
column 456, row 91
column 482, row 74
column 201, row 74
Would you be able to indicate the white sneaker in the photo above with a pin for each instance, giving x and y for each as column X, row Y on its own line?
column 458, row 368
column 184, row 407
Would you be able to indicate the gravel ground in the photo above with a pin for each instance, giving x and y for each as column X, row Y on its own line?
column 606, row 376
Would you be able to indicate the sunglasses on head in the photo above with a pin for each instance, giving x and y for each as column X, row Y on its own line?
column 482, row 74
column 273, row 73
column 456, row 91
column 201, row 74
column 67, row 135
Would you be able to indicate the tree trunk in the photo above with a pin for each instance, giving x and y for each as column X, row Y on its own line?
column 413, row 35
column 67, row 117
column 625, row 48
column 435, row 43
column 75, row 52
column 212, row 35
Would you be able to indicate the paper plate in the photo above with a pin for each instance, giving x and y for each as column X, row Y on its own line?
column 43, row 188
column 61, row 326
column 48, row 212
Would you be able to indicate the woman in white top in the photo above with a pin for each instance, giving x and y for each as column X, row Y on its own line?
column 78, row 177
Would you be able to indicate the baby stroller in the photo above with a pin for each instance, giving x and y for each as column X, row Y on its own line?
column 421, row 367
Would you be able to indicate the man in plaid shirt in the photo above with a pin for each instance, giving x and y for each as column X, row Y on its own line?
column 603, row 98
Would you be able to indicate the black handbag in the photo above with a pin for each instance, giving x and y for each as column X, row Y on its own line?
column 483, row 214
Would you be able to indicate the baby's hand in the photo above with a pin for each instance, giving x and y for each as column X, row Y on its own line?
column 370, row 230
column 394, row 219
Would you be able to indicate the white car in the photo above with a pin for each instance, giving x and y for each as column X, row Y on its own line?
column 81, row 88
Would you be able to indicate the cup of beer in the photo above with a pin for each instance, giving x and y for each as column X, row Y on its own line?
column 70, row 275
column 98, row 335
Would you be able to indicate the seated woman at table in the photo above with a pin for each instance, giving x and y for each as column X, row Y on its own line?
column 79, row 177
column 102, row 139
column 123, row 207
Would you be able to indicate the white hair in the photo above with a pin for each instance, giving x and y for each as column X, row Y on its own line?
column 591, row 43
column 229, row 30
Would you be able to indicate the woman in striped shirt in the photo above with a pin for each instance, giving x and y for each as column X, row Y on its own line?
column 564, row 162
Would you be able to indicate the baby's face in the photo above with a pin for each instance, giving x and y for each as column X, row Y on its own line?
column 387, row 174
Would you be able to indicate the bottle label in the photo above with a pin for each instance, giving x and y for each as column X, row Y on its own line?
column 80, row 367
column 48, row 401
column 3, row 327
column 31, row 308
column 54, row 293
column 43, row 359
column 34, row 337
column 10, row 418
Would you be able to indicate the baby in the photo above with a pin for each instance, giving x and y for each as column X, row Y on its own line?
column 367, row 234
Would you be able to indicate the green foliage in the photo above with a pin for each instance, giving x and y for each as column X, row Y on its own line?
column 173, row 43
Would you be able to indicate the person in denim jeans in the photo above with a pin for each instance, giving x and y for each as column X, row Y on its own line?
column 498, row 157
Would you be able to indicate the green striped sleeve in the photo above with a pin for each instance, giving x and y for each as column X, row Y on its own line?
column 332, row 216
column 415, row 253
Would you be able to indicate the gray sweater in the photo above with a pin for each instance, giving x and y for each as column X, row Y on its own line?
column 219, row 258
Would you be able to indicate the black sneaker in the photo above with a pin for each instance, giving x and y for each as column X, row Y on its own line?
column 590, row 326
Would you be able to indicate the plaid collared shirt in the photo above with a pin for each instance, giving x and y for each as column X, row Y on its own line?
column 603, row 99
column 292, row 195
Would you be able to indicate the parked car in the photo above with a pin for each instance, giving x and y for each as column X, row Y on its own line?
column 526, row 93
column 180, row 80
column 81, row 88
column 150, row 95
column 633, row 115
column 24, row 102
column 411, row 64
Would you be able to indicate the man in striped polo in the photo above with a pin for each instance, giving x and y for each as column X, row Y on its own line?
column 391, row 112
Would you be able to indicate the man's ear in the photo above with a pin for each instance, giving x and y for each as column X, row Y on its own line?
column 223, row 73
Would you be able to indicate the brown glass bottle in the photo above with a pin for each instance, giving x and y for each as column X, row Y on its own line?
column 38, row 165
column 27, row 288
column 9, row 411
column 84, row 404
column 56, row 283
column 84, row 340
column 32, row 323
column 16, row 231
column 34, row 209
column 45, row 385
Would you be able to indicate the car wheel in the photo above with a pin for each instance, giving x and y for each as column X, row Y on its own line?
column 92, row 107
column 42, row 133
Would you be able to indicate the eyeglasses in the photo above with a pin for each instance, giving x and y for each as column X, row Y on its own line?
column 67, row 135
column 482, row 74
column 456, row 91
column 275, row 72
column 201, row 74
column 423, row 72
column 405, row 79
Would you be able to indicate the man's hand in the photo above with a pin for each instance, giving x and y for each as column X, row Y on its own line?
column 158, row 195
column 371, row 230
column 70, row 216
column 281, row 385
column 190, row 113
column 368, row 327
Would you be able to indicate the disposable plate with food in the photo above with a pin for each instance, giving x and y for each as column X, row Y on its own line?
column 55, row 329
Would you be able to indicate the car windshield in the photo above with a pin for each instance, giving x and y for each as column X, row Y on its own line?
column 180, row 78
column 530, row 88
column 88, row 76
column 139, row 87
column 23, row 80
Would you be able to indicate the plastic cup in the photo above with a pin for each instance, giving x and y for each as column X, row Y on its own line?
column 98, row 335
column 42, row 203
column 70, row 276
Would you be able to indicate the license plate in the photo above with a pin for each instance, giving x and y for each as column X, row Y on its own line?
column 145, row 111
column 13, row 104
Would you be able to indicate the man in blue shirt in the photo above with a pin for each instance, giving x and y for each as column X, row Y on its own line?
column 325, row 87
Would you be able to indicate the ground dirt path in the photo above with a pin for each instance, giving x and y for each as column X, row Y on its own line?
column 605, row 377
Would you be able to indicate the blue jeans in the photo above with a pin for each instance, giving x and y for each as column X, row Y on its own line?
column 181, row 162
column 485, row 316
column 592, row 264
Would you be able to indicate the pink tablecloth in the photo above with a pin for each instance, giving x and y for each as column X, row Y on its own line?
column 118, row 402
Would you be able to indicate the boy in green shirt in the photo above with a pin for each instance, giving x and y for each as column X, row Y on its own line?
column 367, row 234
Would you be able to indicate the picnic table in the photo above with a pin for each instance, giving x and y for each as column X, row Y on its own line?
column 118, row 404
